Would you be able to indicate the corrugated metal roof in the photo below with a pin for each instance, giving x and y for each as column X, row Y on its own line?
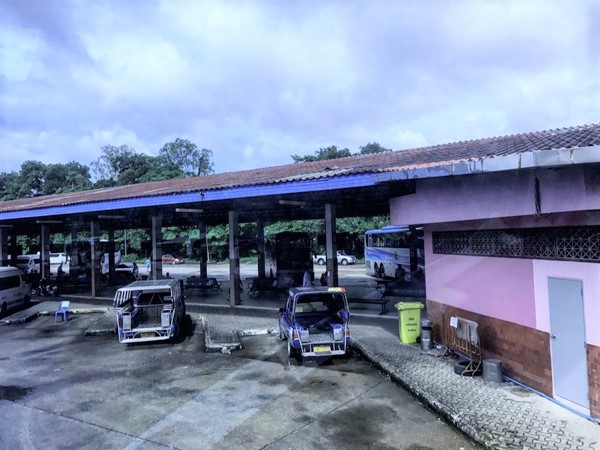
column 456, row 158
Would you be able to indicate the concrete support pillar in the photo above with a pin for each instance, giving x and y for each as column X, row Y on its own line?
column 156, row 270
column 330, row 244
column 234, row 259
column 111, row 255
column 15, row 250
column 45, row 251
column 203, row 250
column 260, row 244
column 73, row 254
column 4, row 231
column 95, row 259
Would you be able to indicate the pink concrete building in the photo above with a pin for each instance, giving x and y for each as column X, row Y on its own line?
column 512, row 241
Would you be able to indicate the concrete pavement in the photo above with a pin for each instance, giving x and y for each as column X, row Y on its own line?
column 496, row 415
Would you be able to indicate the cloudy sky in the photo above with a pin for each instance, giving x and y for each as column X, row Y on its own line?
column 257, row 81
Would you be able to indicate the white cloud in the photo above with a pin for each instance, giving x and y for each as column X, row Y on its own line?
column 18, row 48
column 258, row 81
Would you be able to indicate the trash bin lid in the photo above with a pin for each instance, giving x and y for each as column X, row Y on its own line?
column 409, row 305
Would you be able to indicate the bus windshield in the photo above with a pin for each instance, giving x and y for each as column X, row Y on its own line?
column 394, row 252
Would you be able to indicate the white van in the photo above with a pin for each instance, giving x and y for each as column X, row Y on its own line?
column 14, row 291
column 29, row 263
column 58, row 258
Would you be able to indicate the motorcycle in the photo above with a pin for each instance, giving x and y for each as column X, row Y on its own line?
column 44, row 288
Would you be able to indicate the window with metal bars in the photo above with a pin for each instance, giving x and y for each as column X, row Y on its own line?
column 565, row 243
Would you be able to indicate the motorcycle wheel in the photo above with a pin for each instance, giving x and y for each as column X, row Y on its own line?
column 34, row 292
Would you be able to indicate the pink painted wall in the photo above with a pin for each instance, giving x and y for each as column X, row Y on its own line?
column 496, row 287
column 495, row 195
column 509, row 289
column 515, row 290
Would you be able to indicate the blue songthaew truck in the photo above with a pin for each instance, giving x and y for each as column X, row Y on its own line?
column 151, row 310
column 314, row 322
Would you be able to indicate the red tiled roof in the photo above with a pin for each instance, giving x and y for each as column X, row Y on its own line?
column 574, row 137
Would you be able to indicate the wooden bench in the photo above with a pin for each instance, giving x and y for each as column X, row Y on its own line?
column 195, row 282
column 383, row 301
column 270, row 284
column 262, row 284
column 404, row 289
column 382, row 283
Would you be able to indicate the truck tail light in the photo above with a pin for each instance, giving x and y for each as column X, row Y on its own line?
column 126, row 321
column 347, row 332
column 338, row 334
column 165, row 318
column 295, row 335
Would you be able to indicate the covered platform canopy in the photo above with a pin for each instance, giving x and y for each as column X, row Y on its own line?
column 346, row 187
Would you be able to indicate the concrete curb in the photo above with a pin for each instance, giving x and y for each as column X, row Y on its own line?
column 27, row 318
column 76, row 311
column 33, row 315
column 451, row 415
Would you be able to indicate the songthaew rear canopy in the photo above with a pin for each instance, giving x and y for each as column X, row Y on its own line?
column 142, row 289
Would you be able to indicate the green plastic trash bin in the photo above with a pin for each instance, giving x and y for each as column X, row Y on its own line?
column 409, row 321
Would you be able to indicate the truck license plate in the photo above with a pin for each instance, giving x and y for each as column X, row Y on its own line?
column 321, row 348
column 147, row 335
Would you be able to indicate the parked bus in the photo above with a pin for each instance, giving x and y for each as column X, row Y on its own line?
column 287, row 256
column 395, row 252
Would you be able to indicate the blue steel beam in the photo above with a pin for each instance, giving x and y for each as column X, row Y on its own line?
column 294, row 187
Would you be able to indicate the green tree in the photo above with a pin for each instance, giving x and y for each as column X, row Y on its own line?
column 314, row 227
column 331, row 152
column 354, row 227
column 372, row 147
column 187, row 157
column 10, row 185
column 134, row 168
column 110, row 164
column 119, row 166
column 160, row 169
column 32, row 177
column 70, row 177
column 36, row 178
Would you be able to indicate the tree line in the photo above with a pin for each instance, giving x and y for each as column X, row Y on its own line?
column 123, row 165
column 116, row 166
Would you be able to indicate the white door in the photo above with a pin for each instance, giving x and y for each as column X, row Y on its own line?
column 567, row 340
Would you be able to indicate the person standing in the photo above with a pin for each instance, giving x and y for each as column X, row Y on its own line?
column 306, row 281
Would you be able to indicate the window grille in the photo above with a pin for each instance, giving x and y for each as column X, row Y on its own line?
column 565, row 244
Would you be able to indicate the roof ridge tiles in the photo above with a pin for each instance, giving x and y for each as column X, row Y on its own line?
column 568, row 137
